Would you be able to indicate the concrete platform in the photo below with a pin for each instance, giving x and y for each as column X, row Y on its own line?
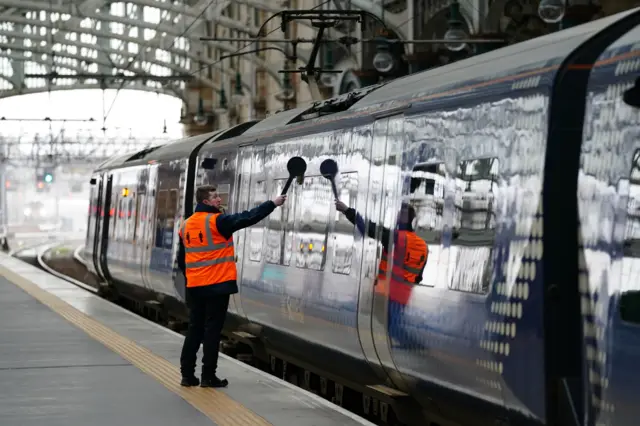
column 69, row 358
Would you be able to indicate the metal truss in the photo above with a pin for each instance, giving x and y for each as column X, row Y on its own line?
column 82, row 147
column 80, row 42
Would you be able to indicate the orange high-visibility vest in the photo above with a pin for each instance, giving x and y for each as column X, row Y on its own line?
column 209, row 257
column 406, row 271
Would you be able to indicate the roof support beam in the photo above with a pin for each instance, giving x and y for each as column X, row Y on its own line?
column 48, row 50
column 171, row 30
column 85, row 12
column 21, row 90
column 4, row 77
column 206, row 60
column 38, row 51
column 137, row 86
column 196, row 10
column 169, row 90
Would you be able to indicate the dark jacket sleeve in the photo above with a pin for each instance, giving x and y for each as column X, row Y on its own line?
column 355, row 218
column 421, row 274
column 229, row 223
column 181, row 256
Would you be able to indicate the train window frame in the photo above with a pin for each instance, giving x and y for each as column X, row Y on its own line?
column 113, row 214
column 340, row 218
column 273, row 186
column 487, row 275
column 625, row 296
column 173, row 208
column 130, row 201
column 411, row 199
column 299, row 216
column 136, row 215
column 159, row 221
column 117, row 223
column 252, row 230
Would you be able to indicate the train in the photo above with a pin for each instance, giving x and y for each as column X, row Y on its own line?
column 523, row 167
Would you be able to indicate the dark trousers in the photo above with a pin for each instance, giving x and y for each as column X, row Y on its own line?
column 207, row 313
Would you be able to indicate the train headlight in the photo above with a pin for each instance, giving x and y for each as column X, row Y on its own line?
column 27, row 211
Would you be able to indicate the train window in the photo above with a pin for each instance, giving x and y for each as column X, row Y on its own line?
column 313, row 211
column 426, row 196
column 630, row 294
column 113, row 216
column 343, row 236
column 278, row 228
column 130, row 219
column 474, row 225
column 171, row 212
column 161, row 209
column 136, row 215
column 256, row 232
column 120, row 219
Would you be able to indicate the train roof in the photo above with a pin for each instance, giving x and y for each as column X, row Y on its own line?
column 535, row 54
column 175, row 149
column 181, row 148
column 275, row 121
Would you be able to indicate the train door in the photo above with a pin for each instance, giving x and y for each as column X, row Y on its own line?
column 97, row 231
column 140, row 218
column 149, row 227
column 385, row 173
column 104, row 235
column 241, row 203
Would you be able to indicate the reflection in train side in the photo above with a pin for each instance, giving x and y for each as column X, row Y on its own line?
column 474, row 224
column 630, row 287
column 223, row 192
column 311, row 250
column 343, row 237
column 166, row 210
column 256, row 233
column 313, row 216
column 428, row 182
column 279, row 229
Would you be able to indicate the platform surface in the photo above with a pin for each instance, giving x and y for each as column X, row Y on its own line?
column 68, row 357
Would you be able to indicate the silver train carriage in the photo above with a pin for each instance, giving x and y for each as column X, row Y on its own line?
column 523, row 165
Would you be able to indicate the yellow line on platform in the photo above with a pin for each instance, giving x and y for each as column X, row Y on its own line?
column 213, row 403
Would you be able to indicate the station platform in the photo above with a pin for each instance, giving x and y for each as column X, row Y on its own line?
column 70, row 358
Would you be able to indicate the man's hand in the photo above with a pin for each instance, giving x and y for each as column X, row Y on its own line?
column 279, row 200
column 340, row 206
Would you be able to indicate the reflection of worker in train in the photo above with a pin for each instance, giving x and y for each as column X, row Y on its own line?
column 409, row 256
column 206, row 256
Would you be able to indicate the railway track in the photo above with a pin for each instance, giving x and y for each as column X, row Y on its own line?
column 64, row 261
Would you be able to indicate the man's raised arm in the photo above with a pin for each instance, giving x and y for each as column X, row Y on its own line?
column 230, row 223
column 354, row 217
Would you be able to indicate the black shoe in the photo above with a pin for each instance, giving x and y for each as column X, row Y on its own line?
column 214, row 383
column 190, row 381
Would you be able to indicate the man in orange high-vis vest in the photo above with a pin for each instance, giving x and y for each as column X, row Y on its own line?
column 409, row 255
column 207, row 258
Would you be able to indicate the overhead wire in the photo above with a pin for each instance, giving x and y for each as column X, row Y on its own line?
column 257, row 39
column 209, row 65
